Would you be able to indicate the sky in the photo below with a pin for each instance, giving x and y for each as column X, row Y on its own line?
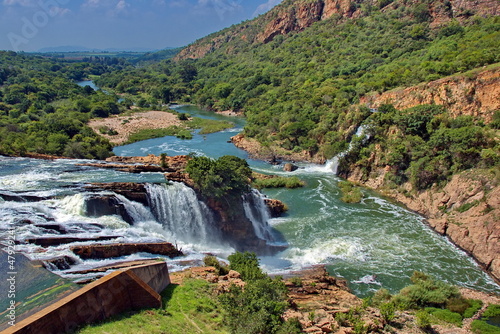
column 30, row 25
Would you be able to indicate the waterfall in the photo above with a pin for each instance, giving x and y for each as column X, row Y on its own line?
column 257, row 212
column 333, row 164
column 177, row 208
column 136, row 210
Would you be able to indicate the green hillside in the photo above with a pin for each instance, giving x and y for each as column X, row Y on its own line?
column 300, row 91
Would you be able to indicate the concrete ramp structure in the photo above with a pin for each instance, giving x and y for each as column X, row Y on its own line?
column 127, row 289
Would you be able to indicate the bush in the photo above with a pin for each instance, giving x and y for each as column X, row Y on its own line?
column 388, row 311
column 218, row 178
column 445, row 315
column 423, row 320
column 247, row 264
column 424, row 292
column 474, row 306
column 259, row 306
column 350, row 193
column 492, row 311
column 482, row 327
column 211, row 261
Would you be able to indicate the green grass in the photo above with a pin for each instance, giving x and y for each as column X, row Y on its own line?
column 445, row 315
column 482, row 327
column 158, row 133
column 207, row 126
column 187, row 308
column 279, row 182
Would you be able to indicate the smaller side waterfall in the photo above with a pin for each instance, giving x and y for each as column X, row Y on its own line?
column 177, row 208
column 333, row 164
column 258, row 213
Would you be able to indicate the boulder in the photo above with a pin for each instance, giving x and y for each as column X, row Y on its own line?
column 289, row 167
column 276, row 207
column 104, row 205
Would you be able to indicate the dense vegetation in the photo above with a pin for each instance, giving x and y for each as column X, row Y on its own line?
column 228, row 175
column 42, row 110
column 433, row 302
column 423, row 145
column 297, row 90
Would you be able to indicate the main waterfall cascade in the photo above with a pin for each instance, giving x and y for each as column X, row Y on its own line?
column 177, row 208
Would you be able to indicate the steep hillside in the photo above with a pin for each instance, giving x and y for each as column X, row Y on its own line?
column 293, row 16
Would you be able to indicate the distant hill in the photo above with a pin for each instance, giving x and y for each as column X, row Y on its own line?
column 73, row 48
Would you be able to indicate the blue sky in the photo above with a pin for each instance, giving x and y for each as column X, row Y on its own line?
column 29, row 25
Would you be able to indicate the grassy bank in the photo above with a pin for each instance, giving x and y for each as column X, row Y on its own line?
column 187, row 308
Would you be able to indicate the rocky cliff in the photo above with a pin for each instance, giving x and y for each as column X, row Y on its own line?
column 476, row 93
column 297, row 15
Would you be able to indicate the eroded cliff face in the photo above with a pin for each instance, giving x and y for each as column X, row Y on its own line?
column 295, row 16
column 475, row 94
column 466, row 210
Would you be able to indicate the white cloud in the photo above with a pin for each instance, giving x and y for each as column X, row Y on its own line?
column 265, row 7
column 121, row 5
column 221, row 7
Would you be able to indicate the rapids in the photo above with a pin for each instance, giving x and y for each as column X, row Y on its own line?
column 373, row 244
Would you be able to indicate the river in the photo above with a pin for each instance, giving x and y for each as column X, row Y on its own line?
column 373, row 244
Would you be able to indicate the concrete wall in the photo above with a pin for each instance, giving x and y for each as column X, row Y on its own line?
column 120, row 291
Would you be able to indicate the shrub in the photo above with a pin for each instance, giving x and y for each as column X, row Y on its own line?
column 482, row 327
column 445, row 315
column 350, row 193
column 259, row 306
column 388, row 311
column 474, row 306
column 492, row 311
column 211, row 261
column 423, row 320
column 424, row 292
column 247, row 264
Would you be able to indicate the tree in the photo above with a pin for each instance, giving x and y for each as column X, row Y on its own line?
column 217, row 178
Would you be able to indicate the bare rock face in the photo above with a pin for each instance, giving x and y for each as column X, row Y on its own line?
column 476, row 95
column 298, row 15
column 131, row 190
column 176, row 163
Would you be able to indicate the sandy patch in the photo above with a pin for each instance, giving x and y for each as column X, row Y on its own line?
column 126, row 125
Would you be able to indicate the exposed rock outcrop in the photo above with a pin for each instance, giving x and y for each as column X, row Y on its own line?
column 177, row 162
column 98, row 251
column 106, row 205
column 476, row 94
column 295, row 16
column 56, row 241
column 276, row 207
column 131, row 190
